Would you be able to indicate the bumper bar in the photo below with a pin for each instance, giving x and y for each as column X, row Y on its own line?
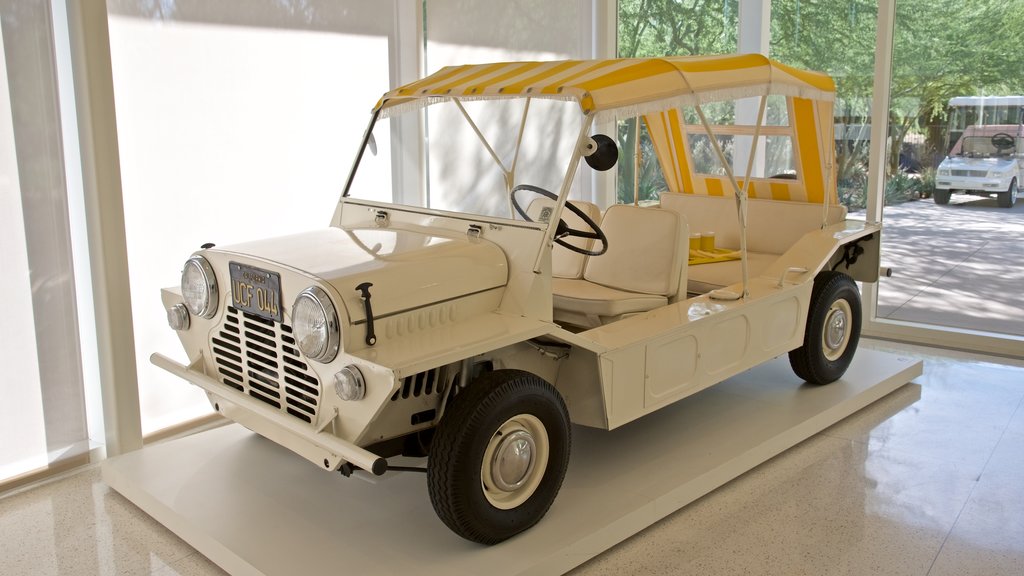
column 350, row 452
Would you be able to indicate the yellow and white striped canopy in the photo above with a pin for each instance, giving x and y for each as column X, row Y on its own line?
column 630, row 85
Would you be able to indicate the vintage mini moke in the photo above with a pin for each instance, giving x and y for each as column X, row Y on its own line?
column 470, row 301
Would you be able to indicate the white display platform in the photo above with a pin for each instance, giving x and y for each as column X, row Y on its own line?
column 255, row 508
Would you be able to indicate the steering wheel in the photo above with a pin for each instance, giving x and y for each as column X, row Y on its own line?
column 1003, row 141
column 563, row 230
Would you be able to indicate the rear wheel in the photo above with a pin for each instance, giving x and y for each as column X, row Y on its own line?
column 941, row 196
column 833, row 330
column 498, row 458
column 1009, row 198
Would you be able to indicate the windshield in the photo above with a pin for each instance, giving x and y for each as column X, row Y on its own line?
column 989, row 141
column 465, row 156
column 979, row 119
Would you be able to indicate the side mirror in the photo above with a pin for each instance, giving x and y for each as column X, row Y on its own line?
column 600, row 152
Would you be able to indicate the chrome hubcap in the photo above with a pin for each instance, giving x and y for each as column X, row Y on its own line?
column 836, row 333
column 513, row 460
column 835, row 330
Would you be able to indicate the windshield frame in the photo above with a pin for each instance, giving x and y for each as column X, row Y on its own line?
column 550, row 227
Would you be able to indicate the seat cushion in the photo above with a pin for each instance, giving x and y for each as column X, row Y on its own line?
column 703, row 278
column 600, row 302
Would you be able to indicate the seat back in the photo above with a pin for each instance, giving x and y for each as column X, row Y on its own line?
column 773, row 226
column 646, row 251
column 564, row 262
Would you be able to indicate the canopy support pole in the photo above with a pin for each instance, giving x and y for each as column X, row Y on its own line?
column 741, row 194
column 829, row 155
column 637, row 162
column 480, row 135
column 510, row 176
column 563, row 192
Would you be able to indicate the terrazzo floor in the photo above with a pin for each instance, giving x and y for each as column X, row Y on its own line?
column 929, row 486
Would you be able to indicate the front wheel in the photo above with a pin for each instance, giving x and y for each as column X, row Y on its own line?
column 498, row 458
column 941, row 196
column 833, row 330
column 1009, row 198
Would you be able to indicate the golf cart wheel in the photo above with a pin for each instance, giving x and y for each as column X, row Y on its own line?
column 1009, row 198
column 499, row 456
column 941, row 196
column 833, row 330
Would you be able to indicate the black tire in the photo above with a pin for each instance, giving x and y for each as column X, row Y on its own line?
column 501, row 412
column 941, row 196
column 1009, row 198
column 833, row 330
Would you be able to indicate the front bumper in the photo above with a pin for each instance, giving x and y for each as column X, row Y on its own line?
column 973, row 184
column 315, row 445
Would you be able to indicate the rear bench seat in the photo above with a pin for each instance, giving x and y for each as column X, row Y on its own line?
column 773, row 226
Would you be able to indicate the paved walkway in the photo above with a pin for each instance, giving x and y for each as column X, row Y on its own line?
column 959, row 265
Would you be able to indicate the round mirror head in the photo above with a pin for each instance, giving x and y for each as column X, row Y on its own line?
column 603, row 153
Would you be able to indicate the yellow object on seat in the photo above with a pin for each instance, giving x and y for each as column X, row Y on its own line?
column 713, row 255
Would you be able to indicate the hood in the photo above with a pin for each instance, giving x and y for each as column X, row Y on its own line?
column 986, row 164
column 407, row 269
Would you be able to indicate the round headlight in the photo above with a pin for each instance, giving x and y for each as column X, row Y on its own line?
column 315, row 324
column 199, row 287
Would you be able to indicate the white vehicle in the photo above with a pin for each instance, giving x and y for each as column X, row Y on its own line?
column 988, row 155
column 475, row 326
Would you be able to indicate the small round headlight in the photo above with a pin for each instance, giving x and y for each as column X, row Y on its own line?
column 177, row 317
column 349, row 384
column 315, row 324
column 199, row 287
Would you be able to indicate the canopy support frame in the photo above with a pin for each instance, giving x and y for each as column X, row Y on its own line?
column 741, row 194
column 563, row 192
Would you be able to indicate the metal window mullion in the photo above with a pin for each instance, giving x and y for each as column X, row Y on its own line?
column 101, row 175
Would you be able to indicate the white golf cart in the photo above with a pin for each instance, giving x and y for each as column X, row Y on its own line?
column 475, row 325
column 988, row 155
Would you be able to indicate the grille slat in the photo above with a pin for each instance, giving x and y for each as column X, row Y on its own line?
column 973, row 173
column 257, row 357
column 301, row 386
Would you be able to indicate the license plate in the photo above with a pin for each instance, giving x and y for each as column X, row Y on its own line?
column 256, row 291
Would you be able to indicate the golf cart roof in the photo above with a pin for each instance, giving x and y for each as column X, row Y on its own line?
column 626, row 86
column 971, row 101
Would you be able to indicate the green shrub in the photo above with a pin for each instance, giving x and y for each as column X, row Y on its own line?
column 927, row 181
column 901, row 187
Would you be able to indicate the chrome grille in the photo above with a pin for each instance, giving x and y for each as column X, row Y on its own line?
column 258, row 357
column 971, row 173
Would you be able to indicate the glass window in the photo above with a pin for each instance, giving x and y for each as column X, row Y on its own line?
column 454, row 36
column 660, row 28
column 42, row 416
column 953, row 217
column 837, row 38
column 236, row 121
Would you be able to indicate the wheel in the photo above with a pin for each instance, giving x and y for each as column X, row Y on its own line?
column 499, row 456
column 941, row 196
column 833, row 330
column 563, row 230
column 1009, row 198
